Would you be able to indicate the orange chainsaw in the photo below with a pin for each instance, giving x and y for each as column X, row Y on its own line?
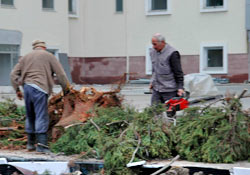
column 179, row 103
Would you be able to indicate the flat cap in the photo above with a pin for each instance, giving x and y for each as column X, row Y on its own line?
column 38, row 43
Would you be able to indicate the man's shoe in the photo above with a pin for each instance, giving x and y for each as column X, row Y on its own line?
column 31, row 142
column 42, row 143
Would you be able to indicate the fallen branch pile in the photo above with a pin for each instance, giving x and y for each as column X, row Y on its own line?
column 215, row 134
column 120, row 136
column 123, row 135
column 12, row 135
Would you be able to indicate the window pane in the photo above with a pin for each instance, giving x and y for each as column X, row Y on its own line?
column 48, row 4
column 119, row 5
column 215, row 58
column 8, row 48
column 212, row 3
column 159, row 4
column 70, row 6
column 15, row 57
column 7, row 2
column 5, row 68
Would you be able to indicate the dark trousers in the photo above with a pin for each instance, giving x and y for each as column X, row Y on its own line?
column 161, row 97
column 36, row 104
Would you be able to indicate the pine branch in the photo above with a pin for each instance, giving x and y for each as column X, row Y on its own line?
column 97, row 127
column 138, row 145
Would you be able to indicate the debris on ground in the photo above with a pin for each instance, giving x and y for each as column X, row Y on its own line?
column 177, row 171
column 12, row 134
column 121, row 135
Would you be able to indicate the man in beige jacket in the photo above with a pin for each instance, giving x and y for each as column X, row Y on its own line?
column 34, row 72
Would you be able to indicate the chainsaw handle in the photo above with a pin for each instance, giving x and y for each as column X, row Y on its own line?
column 186, row 95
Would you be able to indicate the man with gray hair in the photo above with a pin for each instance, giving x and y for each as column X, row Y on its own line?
column 167, row 75
column 34, row 72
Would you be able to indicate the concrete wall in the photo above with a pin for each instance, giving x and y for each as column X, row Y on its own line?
column 111, row 69
column 97, row 70
column 33, row 22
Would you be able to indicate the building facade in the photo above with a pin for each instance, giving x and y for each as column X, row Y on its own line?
column 105, row 39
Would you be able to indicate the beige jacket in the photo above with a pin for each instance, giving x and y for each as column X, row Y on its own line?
column 38, row 67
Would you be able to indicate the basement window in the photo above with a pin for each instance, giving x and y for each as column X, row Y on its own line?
column 213, row 59
column 148, row 62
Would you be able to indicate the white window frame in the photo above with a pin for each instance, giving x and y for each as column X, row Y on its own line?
column 203, row 59
column 148, row 62
column 7, row 6
column 149, row 11
column 76, row 8
column 203, row 7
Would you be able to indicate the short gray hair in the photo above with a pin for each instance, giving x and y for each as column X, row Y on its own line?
column 159, row 37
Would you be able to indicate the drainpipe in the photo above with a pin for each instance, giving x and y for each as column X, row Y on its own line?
column 248, row 34
column 126, row 39
column 248, row 50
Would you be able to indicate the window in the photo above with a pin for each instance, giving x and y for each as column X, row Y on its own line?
column 9, row 55
column 119, row 5
column 73, row 8
column 48, row 4
column 157, row 7
column 213, row 5
column 7, row 2
column 148, row 62
column 213, row 58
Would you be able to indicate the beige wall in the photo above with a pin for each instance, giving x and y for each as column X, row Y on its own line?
column 35, row 23
column 104, row 31
column 101, row 32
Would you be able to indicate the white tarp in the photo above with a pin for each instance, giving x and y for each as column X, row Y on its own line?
column 55, row 168
column 200, row 84
column 241, row 171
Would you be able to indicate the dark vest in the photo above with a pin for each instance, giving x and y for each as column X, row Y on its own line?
column 163, row 77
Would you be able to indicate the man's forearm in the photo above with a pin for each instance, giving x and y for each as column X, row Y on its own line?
column 177, row 70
